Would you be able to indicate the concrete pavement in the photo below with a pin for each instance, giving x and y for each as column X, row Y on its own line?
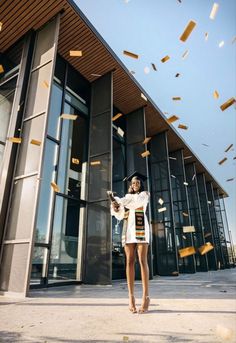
column 188, row 308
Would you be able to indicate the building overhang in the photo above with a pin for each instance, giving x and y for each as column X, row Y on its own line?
column 77, row 33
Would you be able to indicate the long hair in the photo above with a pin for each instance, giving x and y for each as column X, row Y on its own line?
column 141, row 189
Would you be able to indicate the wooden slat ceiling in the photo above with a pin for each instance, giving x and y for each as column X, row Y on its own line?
column 76, row 33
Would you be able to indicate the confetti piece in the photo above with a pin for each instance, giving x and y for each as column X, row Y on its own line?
column 222, row 161
column 172, row 119
column 75, row 160
column 205, row 144
column 15, row 140
column 177, row 75
column 35, row 142
column 194, row 175
column 209, row 202
column 145, row 153
column 120, row 132
column 228, row 148
column 214, row 10
column 55, row 187
column 230, row 179
column 233, row 40
column 187, row 157
column 146, row 140
column 184, row 127
column 165, row 59
column 207, row 234
column 234, row 158
column 69, row 116
column 174, row 177
column 221, row 44
column 126, row 338
column 95, row 163
column 143, row 96
column 187, row 252
column 205, row 248
column 146, row 70
column 216, row 95
column 130, row 54
column 118, row 115
column 162, row 209
column 97, row 75
column 172, row 158
column 185, row 183
column 132, row 72
column 1, row 24
column 185, row 214
column 161, row 201
column 75, row 53
column 185, row 54
column 206, row 36
column 1, row 69
column 227, row 104
column 45, row 84
column 176, row 98
column 184, row 237
column 187, row 229
column 154, row 67
column 188, row 30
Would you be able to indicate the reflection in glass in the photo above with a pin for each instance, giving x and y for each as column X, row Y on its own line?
column 38, row 272
column 55, row 111
column 46, row 192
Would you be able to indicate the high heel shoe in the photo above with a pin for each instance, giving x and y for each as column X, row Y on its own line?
column 145, row 305
column 132, row 308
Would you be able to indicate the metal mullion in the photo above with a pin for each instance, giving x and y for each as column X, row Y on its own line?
column 9, row 79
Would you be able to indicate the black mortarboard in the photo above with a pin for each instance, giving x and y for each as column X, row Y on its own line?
column 137, row 174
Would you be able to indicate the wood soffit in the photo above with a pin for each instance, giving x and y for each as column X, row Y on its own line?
column 20, row 16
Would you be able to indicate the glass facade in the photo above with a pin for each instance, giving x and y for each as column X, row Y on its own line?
column 65, row 163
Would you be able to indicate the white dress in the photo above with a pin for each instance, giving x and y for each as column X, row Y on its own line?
column 133, row 202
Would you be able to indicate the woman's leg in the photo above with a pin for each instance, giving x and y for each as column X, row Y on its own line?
column 142, row 255
column 130, row 274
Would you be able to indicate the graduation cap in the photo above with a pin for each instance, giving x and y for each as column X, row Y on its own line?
column 136, row 175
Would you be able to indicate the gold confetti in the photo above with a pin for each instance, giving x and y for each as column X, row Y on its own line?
column 227, row 104
column 184, row 127
column 1, row 69
column 216, row 95
column 1, row 24
column 230, row 179
column 187, row 157
column 187, row 229
column 118, row 115
column 125, row 338
column 222, row 161
column 165, row 59
column 69, row 116
column 161, row 201
column 35, row 142
column 185, row 214
column 75, row 53
column 97, row 75
column 185, row 54
column 187, row 252
column 177, row 75
column 95, row 163
column 187, row 31
column 75, row 160
column 228, row 148
column 15, row 140
column 120, row 132
column 205, row 248
column 154, row 67
column 162, row 209
column 143, row 96
column 222, row 43
column 146, row 140
column 214, row 11
column 145, row 153
column 55, row 187
column 172, row 119
column 206, row 36
column 176, row 98
column 130, row 54
column 45, row 84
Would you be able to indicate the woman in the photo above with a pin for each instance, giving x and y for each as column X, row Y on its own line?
column 136, row 235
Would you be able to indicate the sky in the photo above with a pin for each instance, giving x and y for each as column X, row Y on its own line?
column 151, row 29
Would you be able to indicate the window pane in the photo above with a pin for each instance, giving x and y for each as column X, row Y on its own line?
column 55, row 111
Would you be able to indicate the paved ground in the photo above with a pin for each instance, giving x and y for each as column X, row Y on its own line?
column 188, row 308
